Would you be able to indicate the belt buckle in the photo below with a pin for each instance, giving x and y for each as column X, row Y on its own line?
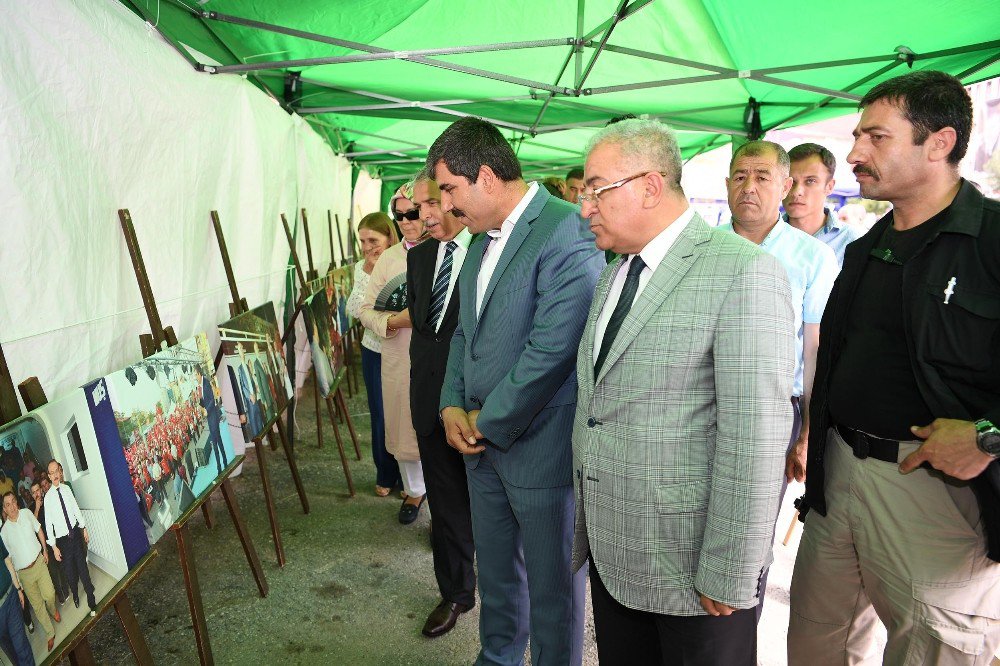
column 862, row 447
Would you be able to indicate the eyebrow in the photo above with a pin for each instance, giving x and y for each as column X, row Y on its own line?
column 868, row 130
column 593, row 179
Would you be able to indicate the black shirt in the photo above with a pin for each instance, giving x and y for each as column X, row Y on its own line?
column 873, row 387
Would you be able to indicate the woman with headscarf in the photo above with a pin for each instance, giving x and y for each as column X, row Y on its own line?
column 384, row 311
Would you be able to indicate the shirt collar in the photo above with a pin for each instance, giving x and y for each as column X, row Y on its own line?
column 775, row 232
column 515, row 215
column 656, row 249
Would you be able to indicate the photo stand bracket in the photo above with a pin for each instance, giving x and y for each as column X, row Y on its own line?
column 77, row 644
column 151, row 343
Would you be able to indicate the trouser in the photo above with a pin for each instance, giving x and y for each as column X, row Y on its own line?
column 386, row 469
column 524, row 540
column 451, row 538
column 13, row 640
column 412, row 473
column 626, row 636
column 58, row 576
column 220, row 450
column 74, row 561
column 38, row 588
column 913, row 545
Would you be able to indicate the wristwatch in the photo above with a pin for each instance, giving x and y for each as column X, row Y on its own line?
column 988, row 438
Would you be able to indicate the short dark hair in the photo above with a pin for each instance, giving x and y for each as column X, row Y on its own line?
column 930, row 101
column 804, row 151
column 758, row 148
column 575, row 172
column 470, row 143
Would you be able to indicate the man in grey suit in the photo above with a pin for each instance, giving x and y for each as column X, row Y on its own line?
column 685, row 373
column 509, row 391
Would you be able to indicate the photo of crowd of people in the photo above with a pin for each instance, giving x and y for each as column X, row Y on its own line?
column 254, row 357
column 325, row 340
column 62, row 537
column 168, row 413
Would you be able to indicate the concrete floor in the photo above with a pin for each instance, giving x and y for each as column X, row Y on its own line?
column 357, row 585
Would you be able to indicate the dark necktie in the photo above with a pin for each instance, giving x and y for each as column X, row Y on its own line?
column 62, row 503
column 621, row 310
column 441, row 284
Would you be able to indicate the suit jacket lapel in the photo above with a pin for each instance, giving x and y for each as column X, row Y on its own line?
column 467, row 284
column 422, row 302
column 600, row 297
column 671, row 270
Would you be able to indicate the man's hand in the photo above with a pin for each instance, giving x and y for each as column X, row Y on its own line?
column 20, row 595
column 57, row 553
column 460, row 433
column 45, row 554
column 795, row 462
column 400, row 320
column 86, row 536
column 715, row 608
column 473, row 421
column 949, row 446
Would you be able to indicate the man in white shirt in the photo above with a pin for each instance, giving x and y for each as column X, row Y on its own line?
column 508, row 395
column 685, row 370
column 23, row 538
column 432, row 270
column 66, row 532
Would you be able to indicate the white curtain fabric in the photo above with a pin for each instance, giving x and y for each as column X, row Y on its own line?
column 97, row 113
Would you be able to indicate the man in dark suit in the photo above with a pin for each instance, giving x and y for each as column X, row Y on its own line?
column 213, row 416
column 509, row 394
column 432, row 270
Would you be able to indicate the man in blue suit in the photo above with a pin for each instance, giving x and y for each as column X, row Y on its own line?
column 213, row 415
column 509, row 394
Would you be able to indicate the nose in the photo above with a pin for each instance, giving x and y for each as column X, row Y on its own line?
column 854, row 157
column 587, row 208
column 446, row 202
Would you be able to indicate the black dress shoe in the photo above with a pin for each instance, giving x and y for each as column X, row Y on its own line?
column 76, row 601
column 442, row 619
column 409, row 512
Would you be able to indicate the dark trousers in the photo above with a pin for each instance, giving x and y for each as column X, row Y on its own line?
column 13, row 640
column 386, row 468
column 74, row 561
column 451, row 537
column 58, row 576
column 796, row 429
column 215, row 439
column 627, row 636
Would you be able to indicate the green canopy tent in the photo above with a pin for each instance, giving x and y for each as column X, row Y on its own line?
column 379, row 81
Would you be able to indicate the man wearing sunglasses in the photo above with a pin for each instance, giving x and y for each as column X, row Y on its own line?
column 685, row 369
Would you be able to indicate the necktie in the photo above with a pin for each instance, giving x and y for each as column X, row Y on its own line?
column 621, row 310
column 441, row 284
column 62, row 503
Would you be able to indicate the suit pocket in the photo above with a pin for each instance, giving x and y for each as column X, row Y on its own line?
column 682, row 510
column 687, row 497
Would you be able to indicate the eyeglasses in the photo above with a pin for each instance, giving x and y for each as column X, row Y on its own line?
column 592, row 195
column 412, row 215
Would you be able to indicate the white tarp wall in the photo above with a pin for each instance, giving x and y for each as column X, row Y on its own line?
column 367, row 196
column 97, row 113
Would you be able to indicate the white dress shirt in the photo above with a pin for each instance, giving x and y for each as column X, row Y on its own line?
column 20, row 537
column 462, row 241
column 55, row 521
column 654, row 252
column 497, row 244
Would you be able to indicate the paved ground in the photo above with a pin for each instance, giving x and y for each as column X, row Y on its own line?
column 357, row 586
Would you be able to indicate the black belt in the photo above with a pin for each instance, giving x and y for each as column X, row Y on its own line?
column 869, row 446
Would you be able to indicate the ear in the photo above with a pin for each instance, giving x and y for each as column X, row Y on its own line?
column 940, row 144
column 653, row 189
column 829, row 186
column 786, row 187
column 488, row 179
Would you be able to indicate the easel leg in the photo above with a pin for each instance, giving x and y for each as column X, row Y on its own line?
column 270, row 438
column 272, row 516
column 136, row 641
column 241, row 530
column 340, row 446
column 82, row 655
column 350, row 424
column 791, row 529
column 206, row 510
column 283, row 435
column 319, row 413
column 193, row 595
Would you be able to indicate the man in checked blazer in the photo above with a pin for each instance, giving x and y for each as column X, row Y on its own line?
column 685, row 379
column 510, row 390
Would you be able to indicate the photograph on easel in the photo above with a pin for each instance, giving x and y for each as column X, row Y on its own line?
column 89, row 531
column 170, row 426
column 324, row 341
column 342, row 280
column 259, row 387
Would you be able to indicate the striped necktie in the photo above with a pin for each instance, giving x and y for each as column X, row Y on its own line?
column 629, row 290
column 441, row 284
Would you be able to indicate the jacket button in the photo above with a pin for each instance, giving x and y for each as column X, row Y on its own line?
column 591, row 422
column 475, row 399
column 475, row 357
column 437, row 339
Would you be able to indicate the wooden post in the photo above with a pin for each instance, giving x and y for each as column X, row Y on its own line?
column 319, row 411
column 226, row 263
column 193, row 589
column 312, row 275
column 329, row 228
column 295, row 255
column 287, row 446
column 340, row 447
column 272, row 515
column 141, row 276
column 350, row 424
column 340, row 239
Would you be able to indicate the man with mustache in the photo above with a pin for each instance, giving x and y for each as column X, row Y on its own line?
column 432, row 270
column 812, row 170
column 903, row 491
column 758, row 181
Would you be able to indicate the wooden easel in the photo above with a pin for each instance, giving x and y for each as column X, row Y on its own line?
column 347, row 338
column 151, row 343
column 237, row 307
column 335, row 397
column 77, row 644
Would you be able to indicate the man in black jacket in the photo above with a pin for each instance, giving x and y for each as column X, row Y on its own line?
column 432, row 270
column 902, row 471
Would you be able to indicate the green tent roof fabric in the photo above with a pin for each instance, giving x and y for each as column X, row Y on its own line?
column 696, row 64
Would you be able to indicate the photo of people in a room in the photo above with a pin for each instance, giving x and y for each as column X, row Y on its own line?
column 170, row 424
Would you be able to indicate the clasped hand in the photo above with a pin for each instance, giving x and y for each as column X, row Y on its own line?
column 461, row 431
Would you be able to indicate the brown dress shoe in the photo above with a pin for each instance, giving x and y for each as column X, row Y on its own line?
column 442, row 619
column 52, row 642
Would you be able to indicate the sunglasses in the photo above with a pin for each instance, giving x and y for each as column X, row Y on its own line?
column 412, row 215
